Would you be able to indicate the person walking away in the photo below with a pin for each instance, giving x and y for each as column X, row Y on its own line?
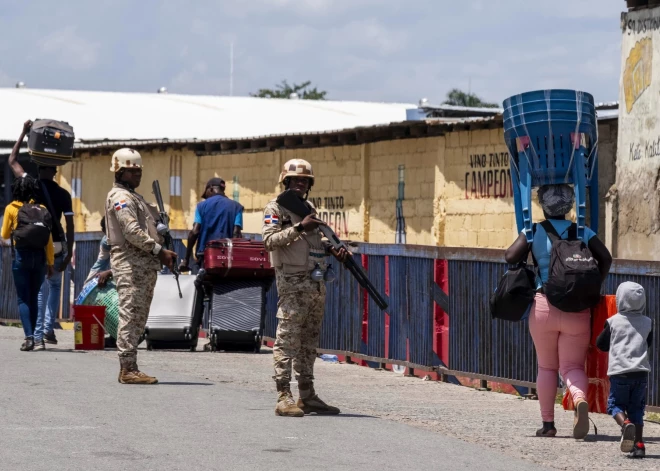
column 296, row 248
column 628, row 336
column 28, row 225
column 561, row 339
column 218, row 217
column 58, row 202
column 101, row 268
column 136, row 257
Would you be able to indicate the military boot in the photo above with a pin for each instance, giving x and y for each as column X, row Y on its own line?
column 309, row 402
column 286, row 406
column 130, row 374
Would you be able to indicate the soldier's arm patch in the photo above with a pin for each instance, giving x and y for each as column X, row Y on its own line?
column 121, row 204
column 271, row 219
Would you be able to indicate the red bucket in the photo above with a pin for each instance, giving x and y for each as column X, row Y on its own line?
column 89, row 327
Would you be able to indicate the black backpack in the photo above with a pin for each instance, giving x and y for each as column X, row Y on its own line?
column 574, row 280
column 33, row 228
column 514, row 294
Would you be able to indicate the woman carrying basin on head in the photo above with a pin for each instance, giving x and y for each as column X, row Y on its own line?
column 561, row 339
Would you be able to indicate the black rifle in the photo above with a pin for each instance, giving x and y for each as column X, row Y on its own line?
column 163, row 229
column 290, row 201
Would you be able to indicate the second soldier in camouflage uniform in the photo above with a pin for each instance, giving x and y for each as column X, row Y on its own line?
column 296, row 248
column 136, row 257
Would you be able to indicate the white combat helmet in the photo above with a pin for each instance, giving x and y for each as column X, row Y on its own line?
column 297, row 168
column 125, row 158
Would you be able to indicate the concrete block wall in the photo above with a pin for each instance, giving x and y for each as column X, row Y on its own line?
column 419, row 158
column 477, row 200
column 257, row 175
column 337, row 192
column 457, row 187
column 96, row 180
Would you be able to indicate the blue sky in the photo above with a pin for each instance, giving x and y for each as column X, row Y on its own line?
column 372, row 50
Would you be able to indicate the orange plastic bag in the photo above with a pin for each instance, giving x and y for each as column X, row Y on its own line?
column 596, row 364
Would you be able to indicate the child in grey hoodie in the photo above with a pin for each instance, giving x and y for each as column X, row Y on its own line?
column 628, row 337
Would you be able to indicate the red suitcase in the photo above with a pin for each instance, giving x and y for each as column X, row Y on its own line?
column 237, row 258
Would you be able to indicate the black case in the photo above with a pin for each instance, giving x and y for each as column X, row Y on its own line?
column 50, row 142
column 238, row 315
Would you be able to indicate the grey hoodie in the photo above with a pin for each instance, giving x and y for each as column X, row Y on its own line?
column 627, row 335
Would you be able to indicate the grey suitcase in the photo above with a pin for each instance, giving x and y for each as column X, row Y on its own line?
column 237, row 315
column 174, row 322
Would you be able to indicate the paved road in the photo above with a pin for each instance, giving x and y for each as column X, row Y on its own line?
column 65, row 410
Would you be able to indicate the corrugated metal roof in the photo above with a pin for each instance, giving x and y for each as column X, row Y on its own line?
column 608, row 114
column 436, row 126
column 157, row 116
column 215, row 124
column 459, row 111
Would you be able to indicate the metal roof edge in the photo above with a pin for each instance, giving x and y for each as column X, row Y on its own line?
column 431, row 127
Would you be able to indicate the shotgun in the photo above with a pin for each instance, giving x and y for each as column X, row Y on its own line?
column 163, row 229
column 290, row 201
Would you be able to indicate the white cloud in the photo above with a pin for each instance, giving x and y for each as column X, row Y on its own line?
column 383, row 50
column 67, row 48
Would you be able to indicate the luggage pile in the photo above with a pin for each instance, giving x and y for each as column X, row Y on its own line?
column 237, row 275
column 227, row 298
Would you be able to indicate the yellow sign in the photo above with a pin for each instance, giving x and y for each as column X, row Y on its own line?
column 638, row 73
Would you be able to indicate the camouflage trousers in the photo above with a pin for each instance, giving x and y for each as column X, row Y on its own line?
column 135, row 289
column 300, row 312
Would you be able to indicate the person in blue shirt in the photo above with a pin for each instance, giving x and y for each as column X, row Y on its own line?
column 561, row 339
column 217, row 217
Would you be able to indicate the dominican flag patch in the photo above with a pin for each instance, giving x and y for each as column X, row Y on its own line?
column 271, row 219
column 120, row 204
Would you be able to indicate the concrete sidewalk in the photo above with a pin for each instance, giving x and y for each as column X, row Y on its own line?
column 65, row 410
column 216, row 409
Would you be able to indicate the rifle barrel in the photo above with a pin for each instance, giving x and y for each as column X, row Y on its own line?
column 362, row 279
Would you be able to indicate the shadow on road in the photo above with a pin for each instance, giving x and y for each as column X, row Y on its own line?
column 617, row 438
column 346, row 416
column 183, row 383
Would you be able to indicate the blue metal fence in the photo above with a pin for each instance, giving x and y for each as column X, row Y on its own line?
column 479, row 347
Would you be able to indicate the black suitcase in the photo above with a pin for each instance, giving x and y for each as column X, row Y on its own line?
column 237, row 315
column 50, row 142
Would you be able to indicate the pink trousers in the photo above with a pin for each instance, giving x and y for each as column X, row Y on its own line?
column 561, row 340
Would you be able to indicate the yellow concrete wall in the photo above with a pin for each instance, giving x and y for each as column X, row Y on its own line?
column 97, row 179
column 419, row 160
column 337, row 193
column 457, row 187
column 477, row 197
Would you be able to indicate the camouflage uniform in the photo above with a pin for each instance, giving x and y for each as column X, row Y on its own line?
column 301, row 300
column 294, row 253
column 132, row 235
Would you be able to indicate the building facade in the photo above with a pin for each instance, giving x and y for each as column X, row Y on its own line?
column 426, row 182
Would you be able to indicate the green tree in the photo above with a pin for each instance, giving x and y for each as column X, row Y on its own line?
column 284, row 90
column 458, row 97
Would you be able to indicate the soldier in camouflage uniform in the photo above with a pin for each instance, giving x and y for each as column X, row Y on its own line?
column 296, row 248
column 136, row 256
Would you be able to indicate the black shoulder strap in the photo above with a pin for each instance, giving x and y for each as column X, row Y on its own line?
column 530, row 246
column 550, row 230
column 572, row 232
column 51, row 210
